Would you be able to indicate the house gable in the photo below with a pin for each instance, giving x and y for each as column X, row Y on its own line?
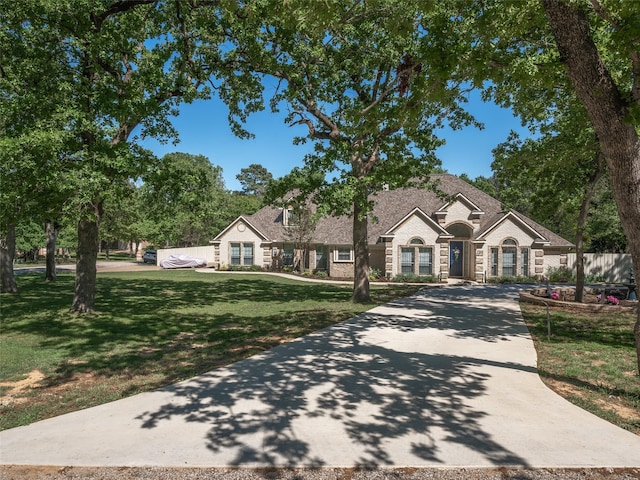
column 460, row 208
column 511, row 226
column 240, row 229
column 413, row 225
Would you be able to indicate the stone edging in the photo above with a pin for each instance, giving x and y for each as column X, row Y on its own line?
column 587, row 307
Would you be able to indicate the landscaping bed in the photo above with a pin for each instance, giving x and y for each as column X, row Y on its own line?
column 565, row 298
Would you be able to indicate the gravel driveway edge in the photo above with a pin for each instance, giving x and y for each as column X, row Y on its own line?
column 18, row 472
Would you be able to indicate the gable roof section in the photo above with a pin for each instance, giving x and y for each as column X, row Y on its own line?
column 465, row 201
column 234, row 223
column 426, row 218
column 511, row 215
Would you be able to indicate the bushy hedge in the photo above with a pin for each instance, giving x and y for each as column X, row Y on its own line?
column 413, row 278
column 241, row 268
column 509, row 279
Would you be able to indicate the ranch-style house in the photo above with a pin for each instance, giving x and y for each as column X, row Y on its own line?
column 464, row 233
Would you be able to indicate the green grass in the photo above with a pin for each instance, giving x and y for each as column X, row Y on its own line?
column 590, row 360
column 151, row 329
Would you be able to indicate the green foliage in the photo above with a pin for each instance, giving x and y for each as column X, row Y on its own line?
column 371, row 83
column 123, row 215
column 254, row 179
column 78, row 78
column 546, row 176
column 604, row 230
column 413, row 278
column 511, row 280
column 594, row 279
column 241, row 268
column 375, row 274
column 559, row 274
column 184, row 196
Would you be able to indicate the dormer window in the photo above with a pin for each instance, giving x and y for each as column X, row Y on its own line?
column 290, row 217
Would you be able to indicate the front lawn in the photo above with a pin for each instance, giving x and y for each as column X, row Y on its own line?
column 590, row 360
column 151, row 329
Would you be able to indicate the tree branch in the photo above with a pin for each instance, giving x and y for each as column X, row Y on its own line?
column 118, row 7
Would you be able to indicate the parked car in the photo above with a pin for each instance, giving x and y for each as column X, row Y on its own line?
column 150, row 256
column 182, row 261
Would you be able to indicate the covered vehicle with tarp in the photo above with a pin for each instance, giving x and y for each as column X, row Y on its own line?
column 182, row 261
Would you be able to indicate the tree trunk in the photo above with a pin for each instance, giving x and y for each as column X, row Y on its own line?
column 52, row 229
column 582, row 220
column 361, row 293
column 7, row 254
column 608, row 111
column 87, row 256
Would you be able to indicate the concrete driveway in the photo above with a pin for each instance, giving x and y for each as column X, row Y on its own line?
column 445, row 378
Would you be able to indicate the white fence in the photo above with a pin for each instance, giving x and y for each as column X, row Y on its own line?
column 207, row 252
column 614, row 267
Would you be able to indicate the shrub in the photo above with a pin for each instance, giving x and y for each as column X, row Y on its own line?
column 559, row 274
column 242, row 268
column 509, row 279
column 413, row 278
column 321, row 274
column 375, row 274
column 594, row 279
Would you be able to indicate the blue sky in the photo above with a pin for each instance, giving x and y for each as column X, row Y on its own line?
column 204, row 130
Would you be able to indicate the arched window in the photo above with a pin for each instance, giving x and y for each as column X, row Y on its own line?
column 509, row 258
column 416, row 259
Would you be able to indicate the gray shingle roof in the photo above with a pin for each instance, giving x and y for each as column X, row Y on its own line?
column 393, row 205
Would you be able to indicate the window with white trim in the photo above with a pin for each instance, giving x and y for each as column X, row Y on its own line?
column 290, row 217
column 247, row 253
column 241, row 253
column 234, row 253
column 343, row 254
column 407, row 259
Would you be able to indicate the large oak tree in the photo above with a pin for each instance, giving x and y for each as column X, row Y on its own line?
column 606, row 77
column 370, row 81
column 597, row 45
column 122, row 66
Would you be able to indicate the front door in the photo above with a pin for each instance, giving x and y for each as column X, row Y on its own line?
column 455, row 259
